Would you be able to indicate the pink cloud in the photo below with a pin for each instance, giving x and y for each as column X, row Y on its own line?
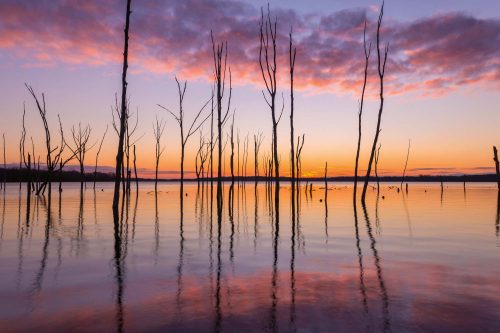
column 432, row 55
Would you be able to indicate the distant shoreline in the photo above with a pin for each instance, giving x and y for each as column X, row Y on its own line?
column 16, row 175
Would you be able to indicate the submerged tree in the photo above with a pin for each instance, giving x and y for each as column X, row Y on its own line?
column 195, row 125
column 360, row 112
column 292, row 52
column 231, row 160
column 381, row 72
column 51, row 159
column 158, row 129
column 123, row 113
column 300, row 145
column 497, row 167
column 220, row 66
column 377, row 156
column 406, row 164
column 257, row 142
column 97, row 154
column 268, row 67
column 80, row 139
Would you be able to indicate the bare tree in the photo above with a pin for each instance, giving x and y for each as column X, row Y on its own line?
column 129, row 143
column 195, row 125
column 123, row 114
column 257, row 142
column 381, row 73
column 158, row 129
column 238, row 152
column 135, row 173
column 231, row 160
column 220, row 65
column 26, row 158
column 497, row 168
column 268, row 67
column 97, row 154
column 212, row 143
column 360, row 112
column 292, row 52
column 81, row 138
column 63, row 161
column 326, row 180
column 245, row 155
column 377, row 155
column 300, row 145
column 51, row 160
column 406, row 164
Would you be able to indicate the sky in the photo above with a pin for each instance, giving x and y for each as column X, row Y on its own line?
column 442, row 77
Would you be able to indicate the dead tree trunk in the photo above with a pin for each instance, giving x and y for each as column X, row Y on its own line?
column 326, row 180
column 135, row 173
column 123, row 113
column 195, row 125
column 381, row 73
column 268, row 66
column 231, row 161
column 97, row 154
column 360, row 112
column 300, row 145
column 292, row 51
column 158, row 129
column 257, row 142
column 406, row 164
column 51, row 161
column 377, row 155
column 497, row 168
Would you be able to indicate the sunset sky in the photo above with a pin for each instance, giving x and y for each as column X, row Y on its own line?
column 442, row 84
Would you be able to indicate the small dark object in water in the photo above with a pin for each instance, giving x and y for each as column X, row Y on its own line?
column 102, row 190
column 383, row 197
column 186, row 194
column 320, row 200
column 398, row 189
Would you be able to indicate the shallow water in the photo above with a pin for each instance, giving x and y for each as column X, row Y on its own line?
column 425, row 261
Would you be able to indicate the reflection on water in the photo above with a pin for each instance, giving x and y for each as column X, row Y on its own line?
column 260, row 257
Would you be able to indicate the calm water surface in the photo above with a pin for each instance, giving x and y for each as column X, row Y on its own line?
column 426, row 261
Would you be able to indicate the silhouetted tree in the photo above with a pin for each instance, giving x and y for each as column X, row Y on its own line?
column 268, row 67
column 497, row 168
column 381, row 73
column 220, row 65
column 231, row 161
column 158, row 129
column 377, row 155
column 51, row 160
column 292, row 51
column 360, row 112
column 257, row 142
column 135, row 172
column 80, row 139
column 300, row 145
column 123, row 114
column 406, row 164
column 63, row 161
column 97, row 154
column 195, row 125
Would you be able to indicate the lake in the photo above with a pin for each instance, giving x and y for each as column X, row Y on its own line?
column 423, row 261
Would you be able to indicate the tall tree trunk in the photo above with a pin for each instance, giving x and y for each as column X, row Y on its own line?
column 360, row 112
column 292, row 51
column 497, row 168
column 123, row 112
column 381, row 72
